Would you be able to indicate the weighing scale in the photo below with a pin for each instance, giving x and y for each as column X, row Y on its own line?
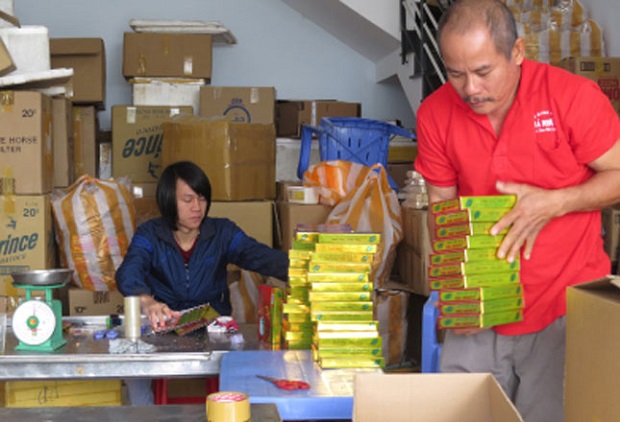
column 37, row 322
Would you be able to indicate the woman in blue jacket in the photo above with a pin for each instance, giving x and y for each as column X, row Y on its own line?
column 179, row 260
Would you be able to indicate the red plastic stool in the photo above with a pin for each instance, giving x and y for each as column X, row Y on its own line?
column 160, row 392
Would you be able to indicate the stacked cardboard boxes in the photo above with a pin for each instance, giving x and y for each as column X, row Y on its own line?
column 476, row 289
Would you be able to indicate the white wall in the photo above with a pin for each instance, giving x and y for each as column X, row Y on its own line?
column 276, row 47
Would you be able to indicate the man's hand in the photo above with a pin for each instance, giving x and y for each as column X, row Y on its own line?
column 159, row 314
column 535, row 207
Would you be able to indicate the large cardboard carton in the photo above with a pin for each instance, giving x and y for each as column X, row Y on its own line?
column 26, row 237
column 291, row 115
column 605, row 71
column 6, row 62
column 54, row 393
column 85, row 141
column 167, row 91
column 26, row 157
column 62, row 138
column 137, row 137
column 239, row 158
column 592, row 343
column 174, row 55
column 430, row 397
column 87, row 303
column 255, row 218
column 611, row 231
column 29, row 47
column 239, row 104
column 290, row 215
column 413, row 251
column 86, row 56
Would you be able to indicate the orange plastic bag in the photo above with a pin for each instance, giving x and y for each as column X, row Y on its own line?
column 95, row 221
column 362, row 198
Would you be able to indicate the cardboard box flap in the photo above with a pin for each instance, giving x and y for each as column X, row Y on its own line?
column 430, row 397
column 76, row 46
column 606, row 288
column 10, row 19
column 6, row 61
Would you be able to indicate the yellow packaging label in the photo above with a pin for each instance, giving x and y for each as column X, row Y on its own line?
column 341, row 335
column 298, row 336
column 447, row 257
column 481, row 293
column 481, row 307
column 295, row 308
column 342, row 306
column 339, row 267
column 298, row 317
column 299, row 254
column 298, row 263
column 483, row 241
column 351, row 362
column 477, row 280
column 349, row 248
column 301, row 326
column 341, row 287
column 481, row 320
column 300, row 293
column 347, row 326
column 338, row 296
column 311, row 237
column 297, row 272
column 341, row 315
column 298, row 281
column 489, row 201
column 345, row 352
column 341, row 257
column 303, row 246
column 350, row 238
column 484, row 254
column 486, row 267
column 337, row 277
column 458, row 230
column 445, row 206
column 483, row 227
column 348, row 342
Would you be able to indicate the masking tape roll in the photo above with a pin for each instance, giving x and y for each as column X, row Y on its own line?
column 132, row 317
column 228, row 406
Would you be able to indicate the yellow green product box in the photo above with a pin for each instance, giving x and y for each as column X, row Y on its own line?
column 295, row 308
column 307, row 327
column 342, row 287
column 341, row 315
column 342, row 306
column 486, row 320
column 299, row 254
column 348, row 248
column 347, row 326
column 343, row 352
column 348, row 342
column 299, row 293
column 441, row 207
column 487, row 201
column 463, row 255
column 476, row 280
column 305, row 336
column 482, row 254
column 470, row 215
column 341, row 257
column 337, row 277
column 298, row 318
column 351, row 362
column 298, row 345
column 473, row 242
column 466, row 229
column 484, row 227
column 307, row 237
column 298, row 281
column 339, row 267
column 338, row 296
column 298, row 263
column 297, row 272
column 344, row 335
column 481, row 293
column 303, row 246
column 475, row 267
column 350, row 238
column 481, row 307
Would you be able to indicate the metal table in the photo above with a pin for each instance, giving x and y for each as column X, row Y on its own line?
column 176, row 413
column 195, row 354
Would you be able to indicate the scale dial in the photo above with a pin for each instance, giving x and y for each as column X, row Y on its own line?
column 34, row 322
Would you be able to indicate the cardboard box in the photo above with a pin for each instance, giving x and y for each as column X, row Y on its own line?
column 290, row 215
column 412, row 253
column 255, row 218
column 611, row 231
column 430, row 397
column 605, row 71
column 239, row 158
column 54, row 393
column 86, row 56
column 174, row 55
column 137, row 137
column 26, row 238
column 239, row 104
column 167, row 91
column 85, row 141
column 62, row 138
column 6, row 62
column 26, row 157
column 86, row 303
column 592, row 344
column 29, row 47
column 291, row 115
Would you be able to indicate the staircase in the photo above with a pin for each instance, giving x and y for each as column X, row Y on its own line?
column 398, row 35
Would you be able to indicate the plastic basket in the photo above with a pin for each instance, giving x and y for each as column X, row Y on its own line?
column 354, row 139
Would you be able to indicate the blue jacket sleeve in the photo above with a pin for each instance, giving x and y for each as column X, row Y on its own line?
column 249, row 254
column 130, row 276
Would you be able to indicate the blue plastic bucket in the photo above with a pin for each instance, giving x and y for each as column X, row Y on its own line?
column 354, row 139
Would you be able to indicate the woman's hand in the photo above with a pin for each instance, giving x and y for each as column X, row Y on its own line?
column 159, row 314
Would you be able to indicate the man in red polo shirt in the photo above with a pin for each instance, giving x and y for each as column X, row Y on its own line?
column 507, row 125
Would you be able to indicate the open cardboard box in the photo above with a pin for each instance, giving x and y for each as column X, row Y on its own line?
column 430, row 397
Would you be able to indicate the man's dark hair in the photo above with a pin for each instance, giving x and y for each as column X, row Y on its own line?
column 464, row 15
column 191, row 174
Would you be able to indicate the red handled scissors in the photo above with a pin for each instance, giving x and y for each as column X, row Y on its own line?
column 288, row 385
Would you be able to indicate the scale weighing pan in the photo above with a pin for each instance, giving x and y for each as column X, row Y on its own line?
column 54, row 277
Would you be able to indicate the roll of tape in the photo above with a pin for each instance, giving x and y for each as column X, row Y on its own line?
column 228, row 406
column 132, row 317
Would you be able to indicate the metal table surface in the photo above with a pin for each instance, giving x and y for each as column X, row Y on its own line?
column 176, row 413
column 82, row 357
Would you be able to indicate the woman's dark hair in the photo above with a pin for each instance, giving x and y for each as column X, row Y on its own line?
column 166, row 194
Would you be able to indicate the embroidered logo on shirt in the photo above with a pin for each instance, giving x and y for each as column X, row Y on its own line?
column 543, row 122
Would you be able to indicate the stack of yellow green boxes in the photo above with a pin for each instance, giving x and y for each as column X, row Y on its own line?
column 476, row 289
